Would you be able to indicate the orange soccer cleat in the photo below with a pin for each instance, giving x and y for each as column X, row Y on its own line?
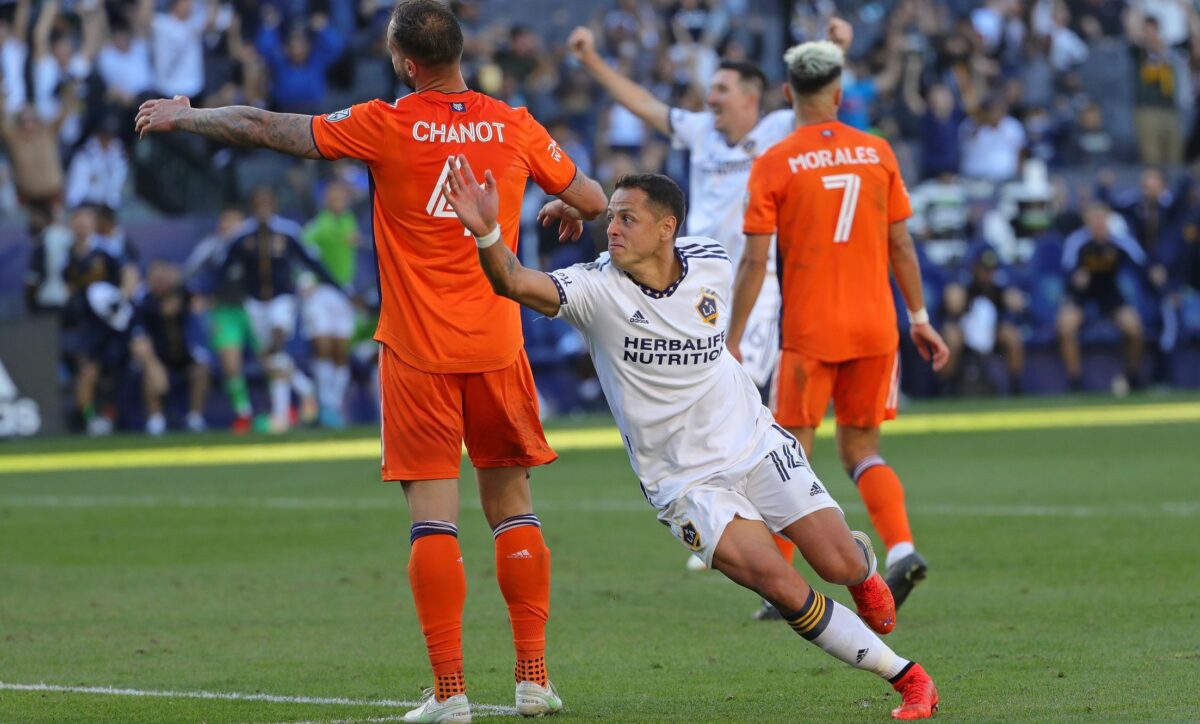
column 920, row 694
column 875, row 606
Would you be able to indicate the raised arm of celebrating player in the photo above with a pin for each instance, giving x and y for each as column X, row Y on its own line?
column 289, row 133
column 747, row 283
column 637, row 99
column 477, row 207
column 907, row 271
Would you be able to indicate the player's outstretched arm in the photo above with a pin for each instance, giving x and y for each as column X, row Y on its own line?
column 478, row 207
column 907, row 270
column 289, row 133
column 637, row 99
column 747, row 283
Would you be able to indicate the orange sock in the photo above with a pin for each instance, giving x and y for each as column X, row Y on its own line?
column 523, row 570
column 883, row 495
column 439, row 587
column 786, row 547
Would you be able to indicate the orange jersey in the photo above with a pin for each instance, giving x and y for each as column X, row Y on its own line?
column 830, row 192
column 438, row 312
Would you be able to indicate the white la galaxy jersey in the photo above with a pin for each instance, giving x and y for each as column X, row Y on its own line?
column 720, row 172
column 687, row 411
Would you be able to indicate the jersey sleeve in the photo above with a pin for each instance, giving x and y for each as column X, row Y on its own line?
column 899, row 204
column 687, row 128
column 355, row 132
column 762, row 204
column 578, row 289
column 549, row 165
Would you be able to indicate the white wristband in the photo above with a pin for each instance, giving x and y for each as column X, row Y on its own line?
column 489, row 238
column 921, row 316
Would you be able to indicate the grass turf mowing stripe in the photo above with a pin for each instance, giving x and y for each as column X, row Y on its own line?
column 599, row 438
column 1174, row 509
column 483, row 709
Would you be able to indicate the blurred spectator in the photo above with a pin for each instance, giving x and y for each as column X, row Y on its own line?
column 177, row 46
column 167, row 343
column 298, row 68
column 992, row 143
column 1154, row 215
column 1089, row 142
column 980, row 314
column 1160, row 83
column 33, row 147
column 1093, row 257
column 940, row 120
column 328, row 314
column 13, row 53
column 941, row 219
column 1067, row 49
column 60, row 70
column 123, row 65
column 46, row 288
column 98, row 169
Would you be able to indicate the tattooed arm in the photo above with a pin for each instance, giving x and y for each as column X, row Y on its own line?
column 288, row 133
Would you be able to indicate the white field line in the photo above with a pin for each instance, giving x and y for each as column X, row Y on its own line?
column 1180, row 509
column 481, row 709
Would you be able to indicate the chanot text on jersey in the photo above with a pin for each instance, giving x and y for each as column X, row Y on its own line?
column 476, row 132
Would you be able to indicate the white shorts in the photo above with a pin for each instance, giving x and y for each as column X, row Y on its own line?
column 328, row 313
column 277, row 313
column 778, row 491
column 760, row 341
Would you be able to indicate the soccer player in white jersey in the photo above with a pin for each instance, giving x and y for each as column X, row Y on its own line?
column 709, row 456
column 722, row 143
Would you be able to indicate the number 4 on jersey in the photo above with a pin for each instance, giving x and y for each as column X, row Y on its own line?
column 851, row 183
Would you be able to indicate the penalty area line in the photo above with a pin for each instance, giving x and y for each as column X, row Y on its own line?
column 480, row 709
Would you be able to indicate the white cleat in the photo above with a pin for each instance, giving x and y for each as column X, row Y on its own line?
column 695, row 565
column 534, row 700
column 455, row 708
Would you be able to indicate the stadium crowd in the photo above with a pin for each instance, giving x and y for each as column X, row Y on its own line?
column 1050, row 148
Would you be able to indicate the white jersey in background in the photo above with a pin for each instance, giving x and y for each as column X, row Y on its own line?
column 687, row 411
column 716, row 204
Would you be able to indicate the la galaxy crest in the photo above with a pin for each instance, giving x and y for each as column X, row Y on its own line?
column 690, row 536
column 707, row 307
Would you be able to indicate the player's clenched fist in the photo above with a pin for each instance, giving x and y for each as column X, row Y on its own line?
column 160, row 115
column 581, row 42
column 840, row 33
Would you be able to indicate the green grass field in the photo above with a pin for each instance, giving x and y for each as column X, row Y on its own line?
column 1064, row 583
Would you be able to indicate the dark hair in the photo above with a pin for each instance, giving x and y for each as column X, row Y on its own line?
column 809, row 86
column 747, row 72
column 427, row 32
column 662, row 192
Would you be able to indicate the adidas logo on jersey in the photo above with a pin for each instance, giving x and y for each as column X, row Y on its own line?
column 523, row 553
column 816, row 489
column 638, row 318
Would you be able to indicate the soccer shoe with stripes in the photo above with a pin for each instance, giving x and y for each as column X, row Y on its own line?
column 455, row 708
column 919, row 693
column 534, row 700
column 903, row 575
column 874, row 603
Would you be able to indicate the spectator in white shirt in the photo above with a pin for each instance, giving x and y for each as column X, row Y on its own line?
column 12, row 58
column 98, row 170
column 992, row 143
column 177, row 48
column 58, row 67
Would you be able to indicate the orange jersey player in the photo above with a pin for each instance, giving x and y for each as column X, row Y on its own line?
column 836, row 199
column 452, row 366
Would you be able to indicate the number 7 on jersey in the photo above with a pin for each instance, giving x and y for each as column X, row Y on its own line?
column 851, row 183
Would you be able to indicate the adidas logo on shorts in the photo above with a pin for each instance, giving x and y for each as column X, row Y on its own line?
column 816, row 489
column 638, row 318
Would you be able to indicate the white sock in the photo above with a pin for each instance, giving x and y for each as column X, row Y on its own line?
column 281, row 398
column 838, row 632
column 323, row 371
column 302, row 383
column 341, row 383
column 898, row 551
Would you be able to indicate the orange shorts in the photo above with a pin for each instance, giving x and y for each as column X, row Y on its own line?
column 864, row 390
column 427, row 416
